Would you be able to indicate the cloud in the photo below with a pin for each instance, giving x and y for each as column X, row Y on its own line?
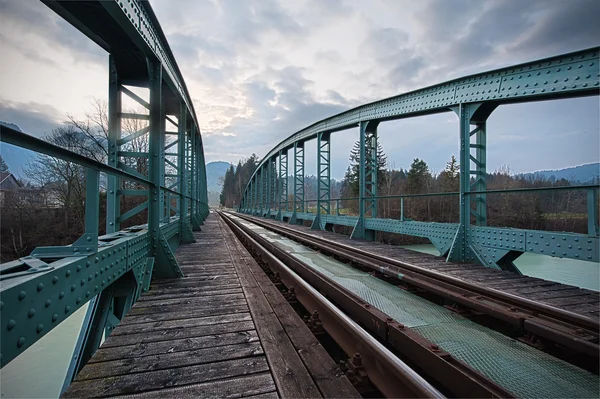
column 32, row 118
column 36, row 24
column 261, row 70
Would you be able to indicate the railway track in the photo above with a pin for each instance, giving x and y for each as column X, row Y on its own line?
column 446, row 371
column 571, row 330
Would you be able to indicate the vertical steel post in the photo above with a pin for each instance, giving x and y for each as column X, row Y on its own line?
column 323, row 179
column 269, row 185
column 471, row 114
column 166, row 265
column 480, row 172
column 184, row 221
column 298, row 182
column 283, row 183
column 261, row 179
column 367, row 180
column 254, row 194
column 113, row 210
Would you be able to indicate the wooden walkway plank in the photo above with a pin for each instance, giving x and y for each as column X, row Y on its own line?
column 290, row 375
column 326, row 374
column 157, row 335
column 174, row 345
column 255, row 385
column 159, row 379
column 211, row 334
column 169, row 359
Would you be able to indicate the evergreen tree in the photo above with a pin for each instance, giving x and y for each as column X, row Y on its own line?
column 351, row 178
column 228, row 187
column 449, row 177
column 418, row 176
column 3, row 165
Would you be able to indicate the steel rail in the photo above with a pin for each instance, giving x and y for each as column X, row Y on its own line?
column 389, row 374
column 556, row 324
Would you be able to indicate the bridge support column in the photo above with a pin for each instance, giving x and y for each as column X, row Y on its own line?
column 261, row 180
column 185, row 228
column 194, row 181
column 473, row 176
column 367, row 180
column 166, row 265
column 282, row 191
column 255, row 195
column 269, row 181
column 298, row 182
column 113, row 209
column 323, row 179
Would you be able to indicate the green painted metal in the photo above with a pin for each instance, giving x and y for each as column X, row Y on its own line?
column 40, row 291
column 367, row 175
column 473, row 99
column 269, row 183
column 298, row 182
column 282, row 186
column 114, row 134
column 323, row 180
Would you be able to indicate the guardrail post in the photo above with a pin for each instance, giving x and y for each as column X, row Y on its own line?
column 323, row 179
column 166, row 265
column 402, row 209
column 113, row 209
column 367, row 180
column 298, row 182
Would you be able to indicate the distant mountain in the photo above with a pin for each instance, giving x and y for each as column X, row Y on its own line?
column 15, row 157
column 578, row 174
column 214, row 174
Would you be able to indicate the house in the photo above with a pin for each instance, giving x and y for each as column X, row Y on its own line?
column 9, row 185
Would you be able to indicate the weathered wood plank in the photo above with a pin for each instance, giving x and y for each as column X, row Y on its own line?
column 188, row 313
column 157, row 335
column 255, row 385
column 192, row 301
column 140, row 328
column 330, row 380
column 168, row 360
column 153, row 380
column 179, row 293
column 175, row 345
column 193, row 306
column 289, row 372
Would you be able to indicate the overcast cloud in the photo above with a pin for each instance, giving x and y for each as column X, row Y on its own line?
column 260, row 70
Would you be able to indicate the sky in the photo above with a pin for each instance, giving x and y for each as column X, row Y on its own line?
column 258, row 71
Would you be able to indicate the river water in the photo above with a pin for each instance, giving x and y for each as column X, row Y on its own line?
column 40, row 371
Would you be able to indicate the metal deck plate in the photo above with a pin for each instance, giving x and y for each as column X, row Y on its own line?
column 523, row 370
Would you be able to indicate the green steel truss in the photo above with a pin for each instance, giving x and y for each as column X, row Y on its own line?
column 110, row 272
column 323, row 179
column 472, row 99
column 298, row 203
column 282, row 186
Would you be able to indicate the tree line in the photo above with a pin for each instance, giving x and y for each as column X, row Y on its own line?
column 50, row 208
column 546, row 210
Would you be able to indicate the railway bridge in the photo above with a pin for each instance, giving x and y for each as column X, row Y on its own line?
column 273, row 299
